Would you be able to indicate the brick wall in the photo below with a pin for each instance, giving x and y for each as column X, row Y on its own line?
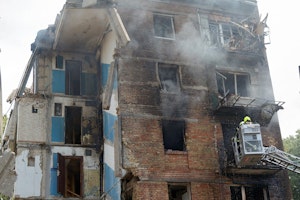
column 143, row 106
column 151, row 191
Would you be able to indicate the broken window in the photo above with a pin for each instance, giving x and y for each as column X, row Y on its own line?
column 226, row 35
column 70, row 176
column 230, row 35
column 249, row 193
column 233, row 83
column 174, row 135
column 73, row 125
column 178, row 192
column 214, row 34
column 73, row 77
column 164, row 26
column 169, row 78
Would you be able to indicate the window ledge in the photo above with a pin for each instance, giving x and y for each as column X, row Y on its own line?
column 176, row 152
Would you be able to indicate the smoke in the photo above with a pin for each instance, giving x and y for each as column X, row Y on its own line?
column 194, row 47
column 174, row 105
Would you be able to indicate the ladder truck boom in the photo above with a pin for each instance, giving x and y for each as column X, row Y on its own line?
column 249, row 150
column 282, row 159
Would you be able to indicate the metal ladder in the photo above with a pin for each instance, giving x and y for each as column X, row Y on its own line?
column 281, row 158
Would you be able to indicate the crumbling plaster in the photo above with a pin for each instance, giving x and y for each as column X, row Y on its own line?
column 33, row 111
column 28, row 174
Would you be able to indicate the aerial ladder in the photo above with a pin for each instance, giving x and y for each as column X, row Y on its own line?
column 249, row 150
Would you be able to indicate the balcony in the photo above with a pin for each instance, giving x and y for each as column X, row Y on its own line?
column 81, row 26
column 261, row 110
column 234, row 98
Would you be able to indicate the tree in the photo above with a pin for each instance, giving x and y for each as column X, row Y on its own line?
column 292, row 146
column 3, row 197
column 4, row 121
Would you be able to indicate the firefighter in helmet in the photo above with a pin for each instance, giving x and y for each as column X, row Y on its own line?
column 246, row 120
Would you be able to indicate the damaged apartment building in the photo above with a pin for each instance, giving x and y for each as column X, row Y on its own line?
column 141, row 99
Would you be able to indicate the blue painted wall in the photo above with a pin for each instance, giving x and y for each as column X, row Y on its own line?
column 104, row 75
column 58, row 129
column 108, row 126
column 58, row 81
column 88, row 83
column 53, row 177
column 112, row 184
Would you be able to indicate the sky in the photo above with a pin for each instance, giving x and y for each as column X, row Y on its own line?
column 284, row 59
column 20, row 20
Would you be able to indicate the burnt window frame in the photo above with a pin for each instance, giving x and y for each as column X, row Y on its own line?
column 238, row 191
column 221, row 34
column 73, row 134
column 162, row 68
column 71, row 76
column 214, row 34
column 173, row 187
column 164, row 32
column 169, row 133
column 233, row 87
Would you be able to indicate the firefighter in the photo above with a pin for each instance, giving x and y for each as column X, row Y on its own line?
column 246, row 120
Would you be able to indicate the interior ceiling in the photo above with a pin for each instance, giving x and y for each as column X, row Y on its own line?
column 80, row 29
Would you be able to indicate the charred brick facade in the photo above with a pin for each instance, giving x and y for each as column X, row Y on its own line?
column 204, row 167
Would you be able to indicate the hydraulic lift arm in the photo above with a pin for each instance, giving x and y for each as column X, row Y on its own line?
column 249, row 150
column 281, row 158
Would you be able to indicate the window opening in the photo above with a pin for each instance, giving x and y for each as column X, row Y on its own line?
column 178, row 192
column 164, row 26
column 34, row 109
column 73, row 125
column 225, row 35
column 73, row 75
column 214, row 34
column 70, row 176
column 128, row 183
column 168, row 76
column 249, row 193
column 31, row 161
column 88, row 152
column 58, row 109
column 228, row 131
column 174, row 135
column 59, row 61
column 233, row 83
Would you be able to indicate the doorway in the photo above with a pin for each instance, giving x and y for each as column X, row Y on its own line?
column 70, row 176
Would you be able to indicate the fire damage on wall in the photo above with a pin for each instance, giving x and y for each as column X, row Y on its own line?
column 135, row 102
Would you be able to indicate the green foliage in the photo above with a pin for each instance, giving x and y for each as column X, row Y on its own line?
column 3, row 197
column 292, row 146
column 4, row 121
